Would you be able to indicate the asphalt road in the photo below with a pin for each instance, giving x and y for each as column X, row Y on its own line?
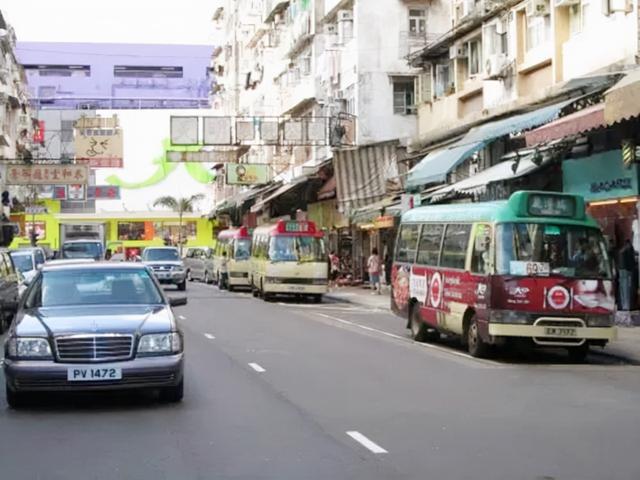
column 301, row 391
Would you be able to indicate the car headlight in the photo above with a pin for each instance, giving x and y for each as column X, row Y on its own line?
column 599, row 320
column 509, row 316
column 25, row 347
column 160, row 343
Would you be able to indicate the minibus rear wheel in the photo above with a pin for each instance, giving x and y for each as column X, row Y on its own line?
column 420, row 332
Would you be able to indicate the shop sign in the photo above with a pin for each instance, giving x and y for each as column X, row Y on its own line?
column 76, row 192
column 386, row 221
column 47, row 174
column 600, row 177
column 103, row 192
column 39, row 227
column 35, row 209
column 247, row 173
column 52, row 192
column 99, row 147
column 38, row 132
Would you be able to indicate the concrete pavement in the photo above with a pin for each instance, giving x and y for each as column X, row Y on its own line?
column 336, row 383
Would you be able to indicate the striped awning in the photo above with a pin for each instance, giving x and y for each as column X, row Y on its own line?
column 365, row 175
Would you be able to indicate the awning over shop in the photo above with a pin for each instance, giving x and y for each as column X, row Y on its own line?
column 503, row 171
column 581, row 121
column 388, row 207
column 435, row 166
column 365, row 175
column 259, row 206
column 621, row 100
column 328, row 190
column 237, row 200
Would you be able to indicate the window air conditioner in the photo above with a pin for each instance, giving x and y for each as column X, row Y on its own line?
column 345, row 16
column 458, row 51
column 496, row 65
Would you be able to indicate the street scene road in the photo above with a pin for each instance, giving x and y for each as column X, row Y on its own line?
column 294, row 390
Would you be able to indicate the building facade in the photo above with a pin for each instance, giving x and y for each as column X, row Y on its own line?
column 323, row 59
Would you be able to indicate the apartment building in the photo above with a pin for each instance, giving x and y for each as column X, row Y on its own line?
column 533, row 94
column 16, row 125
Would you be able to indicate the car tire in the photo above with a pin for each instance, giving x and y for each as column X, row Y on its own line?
column 578, row 354
column 189, row 276
column 231, row 288
column 15, row 399
column 173, row 394
column 476, row 346
column 182, row 286
column 207, row 280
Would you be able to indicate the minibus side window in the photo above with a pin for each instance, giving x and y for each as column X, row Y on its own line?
column 481, row 252
column 454, row 246
column 407, row 243
column 429, row 249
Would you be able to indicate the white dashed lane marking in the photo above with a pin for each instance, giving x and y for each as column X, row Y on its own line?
column 257, row 367
column 365, row 442
column 209, row 336
column 182, row 317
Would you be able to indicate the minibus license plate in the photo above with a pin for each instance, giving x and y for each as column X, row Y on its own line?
column 560, row 332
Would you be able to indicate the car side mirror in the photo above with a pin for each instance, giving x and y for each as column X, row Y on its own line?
column 178, row 301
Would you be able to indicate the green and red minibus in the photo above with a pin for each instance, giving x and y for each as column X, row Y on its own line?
column 532, row 270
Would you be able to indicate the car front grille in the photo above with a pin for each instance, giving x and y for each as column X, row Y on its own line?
column 162, row 268
column 137, row 379
column 94, row 348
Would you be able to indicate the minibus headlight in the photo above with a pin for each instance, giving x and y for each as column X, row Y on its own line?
column 509, row 316
column 599, row 320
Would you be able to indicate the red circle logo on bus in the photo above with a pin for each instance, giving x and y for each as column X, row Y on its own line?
column 435, row 289
column 558, row 297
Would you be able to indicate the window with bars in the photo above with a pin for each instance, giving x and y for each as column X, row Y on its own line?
column 404, row 97
column 417, row 22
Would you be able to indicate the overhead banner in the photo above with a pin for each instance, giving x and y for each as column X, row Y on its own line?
column 47, row 174
column 247, row 173
column 98, row 142
column 103, row 192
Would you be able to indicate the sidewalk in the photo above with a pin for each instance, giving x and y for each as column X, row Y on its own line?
column 360, row 296
column 627, row 345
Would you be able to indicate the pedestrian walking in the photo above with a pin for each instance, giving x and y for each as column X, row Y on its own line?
column 373, row 266
column 224, row 272
column 334, row 269
column 626, row 266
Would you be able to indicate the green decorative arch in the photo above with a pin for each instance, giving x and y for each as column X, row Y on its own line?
column 164, row 168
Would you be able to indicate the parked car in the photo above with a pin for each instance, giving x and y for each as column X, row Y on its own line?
column 94, row 326
column 166, row 264
column 27, row 261
column 9, row 289
column 199, row 263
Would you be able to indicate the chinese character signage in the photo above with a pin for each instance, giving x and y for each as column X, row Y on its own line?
column 99, row 147
column 103, row 192
column 247, row 173
column 76, row 192
column 47, row 174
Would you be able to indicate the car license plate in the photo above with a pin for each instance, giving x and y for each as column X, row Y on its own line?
column 93, row 373
column 296, row 289
column 560, row 332
column 162, row 275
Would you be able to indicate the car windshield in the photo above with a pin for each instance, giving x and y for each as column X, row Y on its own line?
column 82, row 250
column 297, row 249
column 539, row 248
column 23, row 261
column 243, row 249
column 160, row 254
column 95, row 287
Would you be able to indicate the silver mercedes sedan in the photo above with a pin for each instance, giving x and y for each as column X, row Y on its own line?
column 94, row 326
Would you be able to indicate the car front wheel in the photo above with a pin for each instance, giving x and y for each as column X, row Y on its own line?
column 14, row 399
column 182, row 286
column 173, row 394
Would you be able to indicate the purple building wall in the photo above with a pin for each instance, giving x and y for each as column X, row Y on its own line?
column 103, row 76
